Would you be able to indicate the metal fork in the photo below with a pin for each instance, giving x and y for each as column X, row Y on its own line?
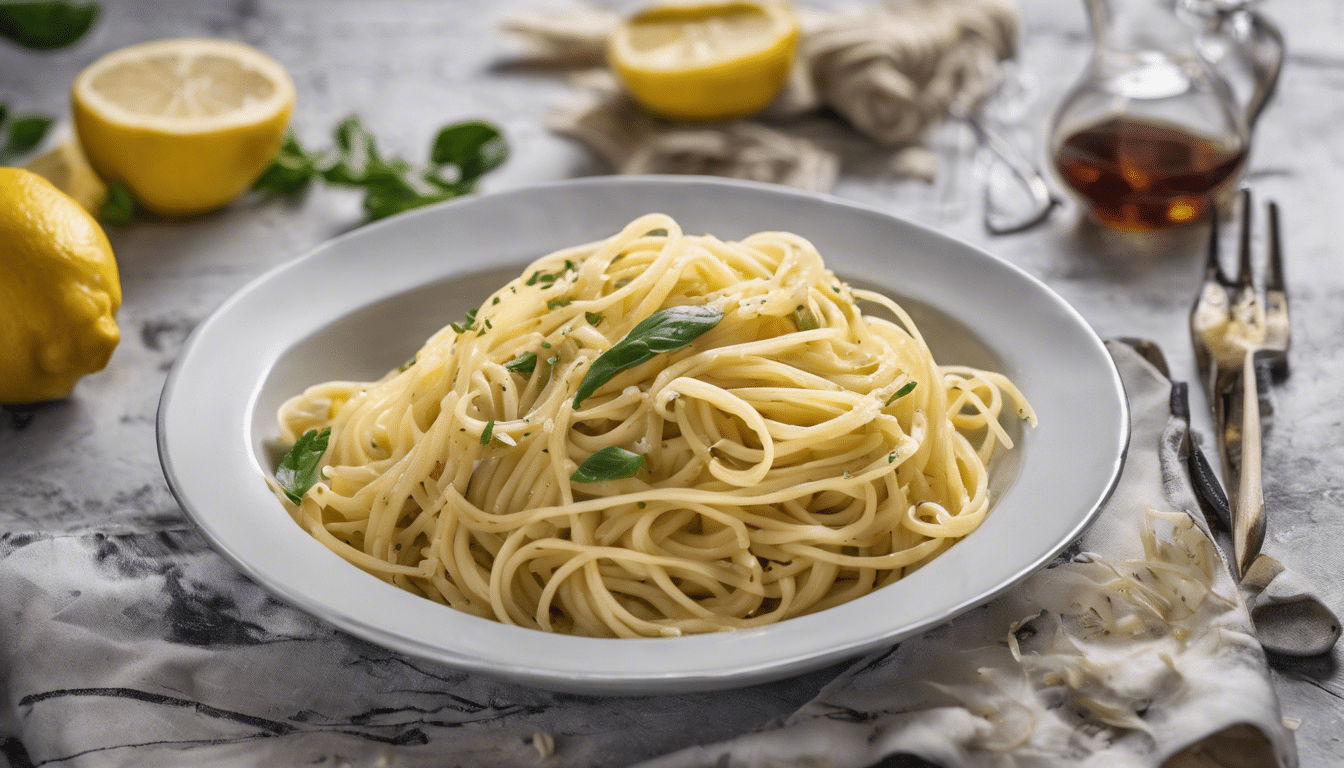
column 1232, row 329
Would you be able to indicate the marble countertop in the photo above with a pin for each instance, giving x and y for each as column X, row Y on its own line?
column 89, row 463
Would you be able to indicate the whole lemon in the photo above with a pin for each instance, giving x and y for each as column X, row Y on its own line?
column 59, row 291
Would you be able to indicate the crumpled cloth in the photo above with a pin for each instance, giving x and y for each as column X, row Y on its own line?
column 633, row 141
column 891, row 72
column 1133, row 648
column 1289, row 615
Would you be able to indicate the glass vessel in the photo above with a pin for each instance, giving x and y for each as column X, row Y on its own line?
column 1152, row 135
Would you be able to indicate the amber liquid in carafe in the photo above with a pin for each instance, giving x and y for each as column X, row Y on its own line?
column 1145, row 176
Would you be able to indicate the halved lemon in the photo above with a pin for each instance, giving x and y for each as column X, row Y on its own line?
column 187, row 124
column 706, row 61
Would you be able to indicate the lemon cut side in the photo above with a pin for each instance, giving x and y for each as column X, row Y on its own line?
column 187, row 124
column 705, row 62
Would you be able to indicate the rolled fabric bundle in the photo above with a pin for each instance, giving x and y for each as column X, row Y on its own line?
column 894, row 72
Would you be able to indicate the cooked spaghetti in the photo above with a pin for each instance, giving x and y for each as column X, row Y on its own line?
column 657, row 434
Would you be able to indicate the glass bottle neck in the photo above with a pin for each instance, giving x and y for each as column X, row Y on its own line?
column 1133, row 26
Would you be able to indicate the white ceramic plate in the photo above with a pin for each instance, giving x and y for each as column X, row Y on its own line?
column 362, row 304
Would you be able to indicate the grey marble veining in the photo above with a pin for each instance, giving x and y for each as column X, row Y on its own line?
column 89, row 463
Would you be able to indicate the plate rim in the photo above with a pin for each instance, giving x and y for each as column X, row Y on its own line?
column 622, row 681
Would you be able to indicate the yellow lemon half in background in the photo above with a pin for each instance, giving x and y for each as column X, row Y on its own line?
column 705, row 62
column 187, row 124
column 59, row 291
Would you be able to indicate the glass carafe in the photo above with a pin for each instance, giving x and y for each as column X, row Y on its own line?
column 1152, row 135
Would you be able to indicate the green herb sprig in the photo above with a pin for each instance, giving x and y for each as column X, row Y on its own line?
column 460, row 155
column 119, row 207
column 298, row 469
column 21, row 134
column 610, row 463
column 524, row 363
column 902, row 392
column 46, row 26
column 467, row 323
column 666, row 330
column 42, row 26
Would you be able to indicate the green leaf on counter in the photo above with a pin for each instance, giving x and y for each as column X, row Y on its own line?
column 474, row 147
column 46, row 26
column 666, row 330
column 119, row 208
column 460, row 155
column 292, row 170
column 26, row 132
column 21, row 135
column 298, row 470
column 610, row 463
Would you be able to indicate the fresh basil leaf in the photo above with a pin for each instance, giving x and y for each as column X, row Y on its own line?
column 357, row 160
column 524, row 363
column 25, row 133
column 610, row 463
column 805, row 319
column 298, row 469
column 46, row 26
column 594, row 318
column 902, row 392
column 666, row 330
column 381, row 203
column 475, row 147
column 354, row 141
column 119, row 207
column 292, row 170
column 391, row 185
column 488, row 432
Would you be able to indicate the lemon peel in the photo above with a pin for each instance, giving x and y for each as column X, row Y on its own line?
column 59, row 291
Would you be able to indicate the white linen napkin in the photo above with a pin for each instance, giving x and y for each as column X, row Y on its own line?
column 1132, row 649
